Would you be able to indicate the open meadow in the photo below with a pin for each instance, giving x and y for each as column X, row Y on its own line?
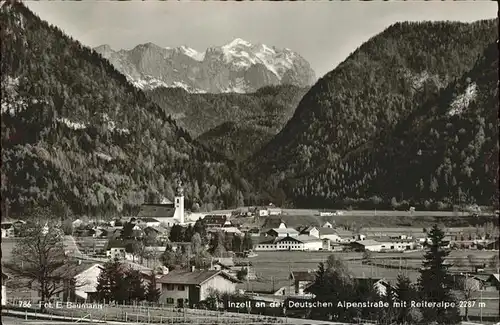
column 275, row 266
column 375, row 218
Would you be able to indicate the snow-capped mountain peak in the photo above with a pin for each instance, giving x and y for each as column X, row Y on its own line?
column 237, row 42
column 192, row 53
column 236, row 66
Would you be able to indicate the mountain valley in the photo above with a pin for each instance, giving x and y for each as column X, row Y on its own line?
column 408, row 119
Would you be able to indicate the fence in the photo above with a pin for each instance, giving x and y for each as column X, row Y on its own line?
column 143, row 314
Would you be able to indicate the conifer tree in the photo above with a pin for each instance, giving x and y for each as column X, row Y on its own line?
column 135, row 286
column 152, row 292
column 404, row 294
column 110, row 284
column 247, row 242
column 435, row 282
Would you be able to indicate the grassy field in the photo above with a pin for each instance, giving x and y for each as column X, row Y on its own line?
column 389, row 221
column 277, row 265
column 382, row 218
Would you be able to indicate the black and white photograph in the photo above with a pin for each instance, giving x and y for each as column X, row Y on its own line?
column 250, row 162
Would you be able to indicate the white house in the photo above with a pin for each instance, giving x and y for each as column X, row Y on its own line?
column 291, row 243
column 187, row 288
column 7, row 229
column 326, row 233
column 396, row 245
column 327, row 225
column 79, row 281
column 274, row 211
column 367, row 245
column 86, row 281
column 77, row 223
column 116, row 250
column 310, row 231
column 262, row 212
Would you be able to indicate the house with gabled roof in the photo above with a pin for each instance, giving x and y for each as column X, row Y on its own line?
column 216, row 221
column 75, row 281
column 291, row 243
column 188, row 288
column 327, row 233
column 493, row 281
column 327, row 225
column 301, row 280
column 282, row 231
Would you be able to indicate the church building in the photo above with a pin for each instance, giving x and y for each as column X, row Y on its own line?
column 167, row 213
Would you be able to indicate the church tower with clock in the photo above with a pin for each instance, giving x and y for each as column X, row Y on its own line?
column 179, row 203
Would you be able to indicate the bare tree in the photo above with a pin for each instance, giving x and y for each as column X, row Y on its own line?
column 468, row 287
column 472, row 261
column 39, row 259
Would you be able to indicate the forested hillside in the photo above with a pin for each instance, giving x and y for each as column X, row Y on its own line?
column 237, row 141
column 329, row 152
column 77, row 135
column 445, row 153
column 270, row 107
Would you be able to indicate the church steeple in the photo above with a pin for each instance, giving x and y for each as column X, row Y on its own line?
column 179, row 202
column 180, row 190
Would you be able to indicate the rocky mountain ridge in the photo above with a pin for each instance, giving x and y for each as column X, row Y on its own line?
column 238, row 66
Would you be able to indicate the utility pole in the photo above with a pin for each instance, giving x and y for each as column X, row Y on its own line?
column 289, row 273
column 481, row 306
column 248, row 273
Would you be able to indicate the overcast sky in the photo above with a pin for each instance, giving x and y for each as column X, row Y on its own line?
column 324, row 33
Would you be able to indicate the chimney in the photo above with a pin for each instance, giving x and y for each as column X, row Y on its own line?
column 192, row 268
